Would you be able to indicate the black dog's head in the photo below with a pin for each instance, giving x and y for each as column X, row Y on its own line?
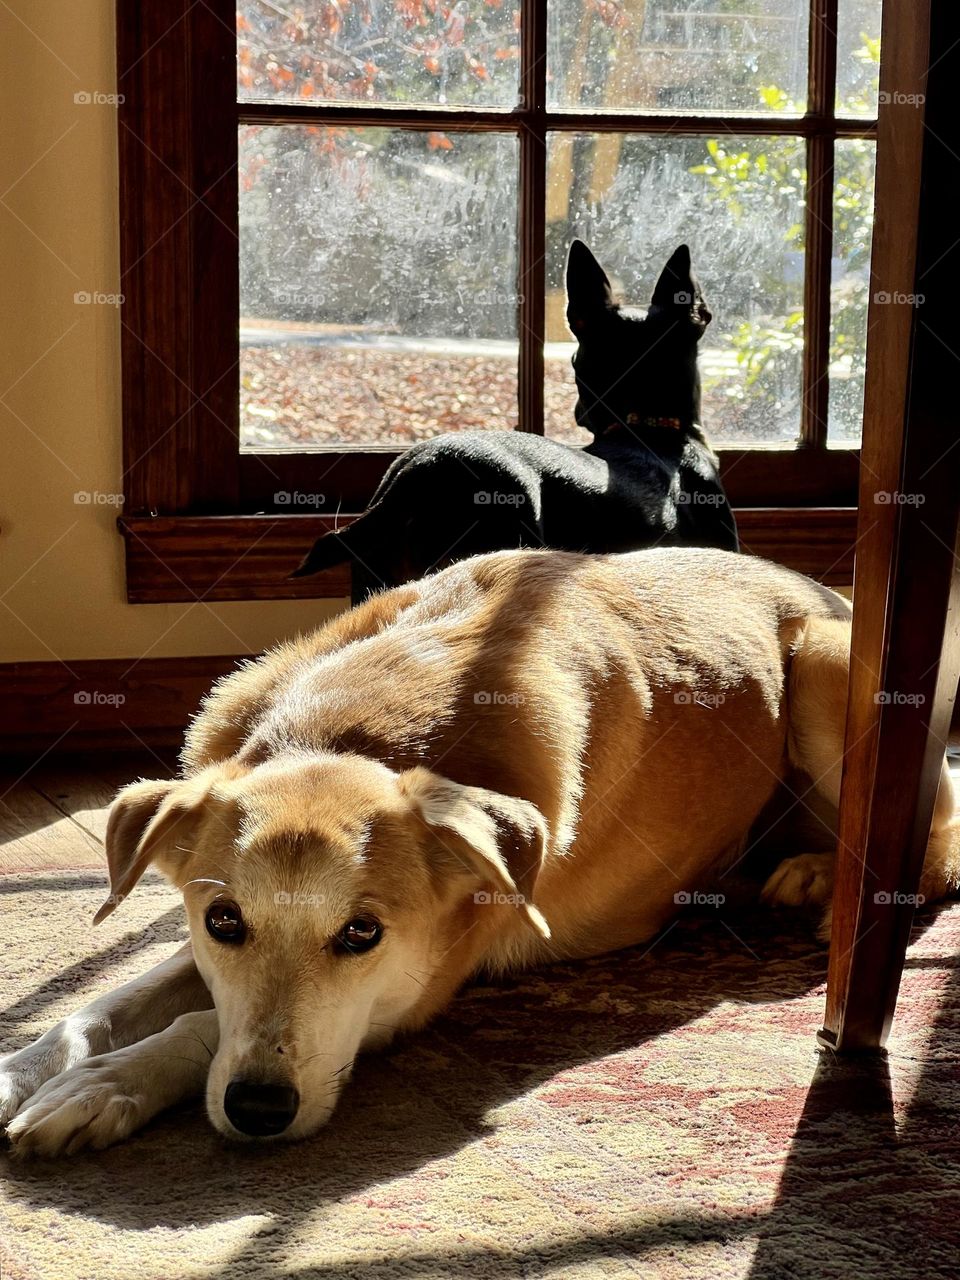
column 630, row 367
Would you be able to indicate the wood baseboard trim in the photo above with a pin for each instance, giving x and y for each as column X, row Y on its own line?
column 110, row 704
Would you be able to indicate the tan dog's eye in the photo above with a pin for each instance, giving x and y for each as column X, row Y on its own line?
column 359, row 935
column 224, row 921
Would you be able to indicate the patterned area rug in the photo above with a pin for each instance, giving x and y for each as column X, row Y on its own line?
column 661, row 1113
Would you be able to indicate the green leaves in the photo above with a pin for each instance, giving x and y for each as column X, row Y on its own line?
column 755, row 182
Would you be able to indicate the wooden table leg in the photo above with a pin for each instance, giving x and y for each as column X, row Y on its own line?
column 905, row 660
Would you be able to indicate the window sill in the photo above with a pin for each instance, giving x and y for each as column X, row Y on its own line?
column 176, row 559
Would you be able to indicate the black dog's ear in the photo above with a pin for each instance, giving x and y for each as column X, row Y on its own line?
column 678, row 291
column 589, row 294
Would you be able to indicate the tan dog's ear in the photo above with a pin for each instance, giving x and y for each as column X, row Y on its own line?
column 142, row 818
column 497, row 838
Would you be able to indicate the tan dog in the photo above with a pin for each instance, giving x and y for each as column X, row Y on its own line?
column 525, row 757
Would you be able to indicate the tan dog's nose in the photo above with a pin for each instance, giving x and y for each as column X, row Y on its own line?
column 260, row 1110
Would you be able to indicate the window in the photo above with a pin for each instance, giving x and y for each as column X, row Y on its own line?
column 344, row 228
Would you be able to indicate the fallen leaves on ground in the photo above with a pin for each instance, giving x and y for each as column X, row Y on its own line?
column 338, row 396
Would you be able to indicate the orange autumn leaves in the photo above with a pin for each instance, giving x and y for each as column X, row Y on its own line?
column 344, row 49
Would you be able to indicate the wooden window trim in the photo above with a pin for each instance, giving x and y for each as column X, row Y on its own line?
column 179, row 271
column 211, row 558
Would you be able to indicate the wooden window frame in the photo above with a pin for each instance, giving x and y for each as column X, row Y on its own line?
column 197, row 518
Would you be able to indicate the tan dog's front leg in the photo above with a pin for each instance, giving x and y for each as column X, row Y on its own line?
column 104, row 1099
column 137, row 1009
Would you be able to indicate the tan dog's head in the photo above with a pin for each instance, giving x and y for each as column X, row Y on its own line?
column 331, row 902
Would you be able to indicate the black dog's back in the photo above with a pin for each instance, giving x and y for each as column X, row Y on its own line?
column 649, row 477
column 463, row 495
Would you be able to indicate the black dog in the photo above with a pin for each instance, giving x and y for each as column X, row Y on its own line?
column 649, row 476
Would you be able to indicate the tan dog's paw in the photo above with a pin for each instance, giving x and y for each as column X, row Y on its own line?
column 91, row 1105
column 803, row 881
column 941, row 865
column 22, row 1073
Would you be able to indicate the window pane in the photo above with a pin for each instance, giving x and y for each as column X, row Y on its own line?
column 739, row 203
column 858, row 57
column 850, row 286
column 411, row 51
column 377, row 284
column 678, row 55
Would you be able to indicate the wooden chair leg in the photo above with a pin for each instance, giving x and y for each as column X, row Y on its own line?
column 905, row 658
column 889, row 789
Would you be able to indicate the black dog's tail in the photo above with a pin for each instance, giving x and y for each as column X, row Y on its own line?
column 358, row 541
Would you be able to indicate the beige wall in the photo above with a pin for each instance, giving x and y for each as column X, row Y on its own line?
column 61, row 564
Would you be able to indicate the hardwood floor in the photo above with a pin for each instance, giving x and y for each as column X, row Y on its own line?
column 54, row 813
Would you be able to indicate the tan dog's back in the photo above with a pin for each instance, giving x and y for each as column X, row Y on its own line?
column 636, row 700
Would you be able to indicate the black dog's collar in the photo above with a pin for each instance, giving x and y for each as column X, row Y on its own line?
column 635, row 420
